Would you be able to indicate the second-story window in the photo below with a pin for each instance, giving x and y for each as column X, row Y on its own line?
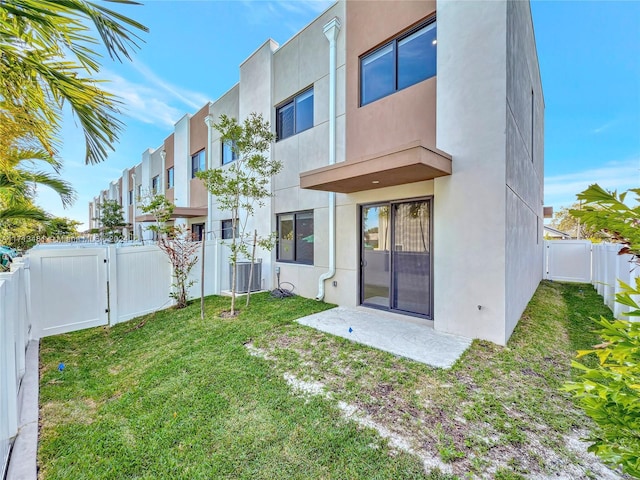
column 295, row 116
column 169, row 177
column 130, row 197
column 155, row 184
column 404, row 61
column 197, row 163
column 227, row 229
column 228, row 153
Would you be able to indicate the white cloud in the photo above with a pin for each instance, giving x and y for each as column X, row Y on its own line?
column 605, row 126
column 267, row 12
column 561, row 190
column 152, row 101
column 194, row 100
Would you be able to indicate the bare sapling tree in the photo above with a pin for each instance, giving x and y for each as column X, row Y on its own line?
column 243, row 185
column 175, row 242
column 180, row 249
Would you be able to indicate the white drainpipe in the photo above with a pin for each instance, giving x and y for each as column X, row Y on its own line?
column 163, row 179
column 209, row 230
column 133, row 180
column 331, row 31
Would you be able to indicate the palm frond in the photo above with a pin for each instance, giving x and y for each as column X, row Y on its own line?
column 24, row 212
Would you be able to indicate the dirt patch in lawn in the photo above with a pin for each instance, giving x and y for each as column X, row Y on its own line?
column 498, row 413
column 71, row 411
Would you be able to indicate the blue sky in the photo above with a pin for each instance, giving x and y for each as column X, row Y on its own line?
column 589, row 55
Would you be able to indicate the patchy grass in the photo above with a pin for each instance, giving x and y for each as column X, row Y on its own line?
column 260, row 396
column 498, row 413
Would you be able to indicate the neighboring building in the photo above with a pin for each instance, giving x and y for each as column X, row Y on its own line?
column 412, row 181
column 551, row 233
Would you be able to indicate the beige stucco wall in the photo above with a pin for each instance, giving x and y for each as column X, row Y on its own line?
column 303, row 62
column 470, row 205
column 403, row 117
column 525, row 164
column 197, row 142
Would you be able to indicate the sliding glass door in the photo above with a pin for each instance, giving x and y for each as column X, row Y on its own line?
column 396, row 256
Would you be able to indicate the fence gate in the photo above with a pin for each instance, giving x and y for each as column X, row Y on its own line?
column 68, row 289
column 568, row 260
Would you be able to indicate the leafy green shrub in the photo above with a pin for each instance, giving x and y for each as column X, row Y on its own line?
column 610, row 394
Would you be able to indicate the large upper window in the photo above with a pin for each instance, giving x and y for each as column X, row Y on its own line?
column 169, row 177
column 295, row 116
column 228, row 153
column 155, row 184
column 197, row 163
column 400, row 63
column 130, row 197
column 295, row 237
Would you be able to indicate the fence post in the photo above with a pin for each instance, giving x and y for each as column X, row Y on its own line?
column 111, row 253
column 8, row 381
column 545, row 260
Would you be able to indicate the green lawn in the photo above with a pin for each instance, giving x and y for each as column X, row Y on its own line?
column 172, row 396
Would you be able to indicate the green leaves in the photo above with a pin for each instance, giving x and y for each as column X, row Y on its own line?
column 243, row 185
column 607, row 211
column 47, row 58
column 111, row 219
column 161, row 209
column 610, row 393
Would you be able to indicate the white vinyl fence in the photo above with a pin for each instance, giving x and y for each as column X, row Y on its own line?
column 81, row 287
column 568, row 260
column 608, row 268
column 597, row 263
column 14, row 335
column 61, row 289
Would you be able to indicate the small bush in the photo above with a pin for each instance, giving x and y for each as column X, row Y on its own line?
column 610, row 394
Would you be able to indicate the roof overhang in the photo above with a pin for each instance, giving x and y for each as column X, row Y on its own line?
column 178, row 212
column 413, row 163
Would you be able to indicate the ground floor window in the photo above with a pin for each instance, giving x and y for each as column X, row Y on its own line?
column 197, row 231
column 227, row 229
column 295, row 237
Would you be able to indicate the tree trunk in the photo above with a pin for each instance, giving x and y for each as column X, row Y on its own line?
column 253, row 258
column 202, row 279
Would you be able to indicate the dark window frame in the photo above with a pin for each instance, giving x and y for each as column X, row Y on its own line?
column 170, row 178
column 292, row 102
column 294, row 241
column 130, row 197
column 197, row 231
column 234, row 155
column 155, row 184
column 202, row 162
column 394, row 43
column 225, row 231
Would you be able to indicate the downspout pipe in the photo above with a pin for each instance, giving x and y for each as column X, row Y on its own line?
column 209, row 230
column 163, row 156
column 135, row 202
column 331, row 31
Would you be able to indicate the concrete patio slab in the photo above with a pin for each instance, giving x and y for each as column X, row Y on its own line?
column 398, row 334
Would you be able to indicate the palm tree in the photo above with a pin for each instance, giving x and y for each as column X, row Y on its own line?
column 47, row 59
column 19, row 178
